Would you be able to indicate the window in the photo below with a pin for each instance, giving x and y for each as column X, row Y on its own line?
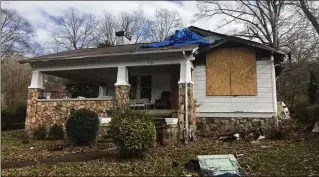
column 146, row 86
column 141, row 87
column 133, row 83
column 231, row 71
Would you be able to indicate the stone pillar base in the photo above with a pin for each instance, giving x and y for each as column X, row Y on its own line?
column 122, row 95
column 181, row 109
column 33, row 95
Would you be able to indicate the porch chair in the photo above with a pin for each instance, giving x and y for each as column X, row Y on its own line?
column 164, row 102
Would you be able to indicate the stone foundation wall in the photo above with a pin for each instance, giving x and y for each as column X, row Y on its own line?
column 50, row 112
column 218, row 126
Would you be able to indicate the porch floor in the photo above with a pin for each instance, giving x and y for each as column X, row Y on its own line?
column 161, row 113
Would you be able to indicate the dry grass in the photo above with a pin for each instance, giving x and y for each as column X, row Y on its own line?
column 295, row 156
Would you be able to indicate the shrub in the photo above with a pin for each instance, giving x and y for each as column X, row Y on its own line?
column 56, row 132
column 40, row 133
column 82, row 126
column 312, row 113
column 133, row 132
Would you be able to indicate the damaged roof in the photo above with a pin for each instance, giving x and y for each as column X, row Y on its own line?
column 134, row 49
column 129, row 49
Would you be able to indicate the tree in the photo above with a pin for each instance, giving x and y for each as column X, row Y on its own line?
column 312, row 88
column 133, row 23
column 15, row 79
column 16, row 33
column 163, row 24
column 267, row 21
column 75, row 30
column 108, row 27
column 310, row 14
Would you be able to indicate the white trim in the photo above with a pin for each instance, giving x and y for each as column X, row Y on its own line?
column 273, row 79
column 122, row 76
column 56, row 58
column 109, row 64
column 37, row 80
column 185, row 75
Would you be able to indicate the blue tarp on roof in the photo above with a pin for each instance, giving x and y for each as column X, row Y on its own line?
column 182, row 37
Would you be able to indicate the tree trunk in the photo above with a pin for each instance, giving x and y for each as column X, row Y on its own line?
column 309, row 15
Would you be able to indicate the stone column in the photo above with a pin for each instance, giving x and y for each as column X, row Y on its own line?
column 185, row 77
column 122, row 87
column 34, row 92
column 191, row 107
column 122, row 95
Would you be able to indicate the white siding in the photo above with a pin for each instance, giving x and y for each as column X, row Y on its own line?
column 236, row 106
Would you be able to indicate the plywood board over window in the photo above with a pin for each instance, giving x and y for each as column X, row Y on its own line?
column 231, row 71
column 243, row 71
column 218, row 72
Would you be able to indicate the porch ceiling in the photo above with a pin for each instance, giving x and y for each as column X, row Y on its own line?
column 91, row 76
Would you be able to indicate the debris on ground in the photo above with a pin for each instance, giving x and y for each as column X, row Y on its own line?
column 192, row 165
column 219, row 165
column 315, row 127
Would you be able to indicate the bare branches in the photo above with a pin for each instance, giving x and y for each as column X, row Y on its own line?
column 15, row 79
column 15, row 33
column 75, row 30
column 261, row 18
column 310, row 15
column 164, row 23
column 139, row 27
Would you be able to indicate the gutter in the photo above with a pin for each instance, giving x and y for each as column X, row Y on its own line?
column 103, row 55
column 186, row 99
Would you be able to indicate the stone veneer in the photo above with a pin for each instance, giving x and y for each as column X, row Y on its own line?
column 122, row 95
column 191, row 107
column 50, row 112
column 223, row 125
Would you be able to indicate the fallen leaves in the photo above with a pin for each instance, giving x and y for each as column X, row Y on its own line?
column 296, row 156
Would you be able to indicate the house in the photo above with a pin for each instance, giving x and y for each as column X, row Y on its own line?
column 230, row 82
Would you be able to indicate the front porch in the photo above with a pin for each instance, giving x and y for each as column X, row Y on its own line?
column 158, row 89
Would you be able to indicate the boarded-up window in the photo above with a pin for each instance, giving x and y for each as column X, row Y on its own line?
column 231, row 71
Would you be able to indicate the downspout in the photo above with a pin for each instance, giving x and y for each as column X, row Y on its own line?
column 274, row 93
column 186, row 99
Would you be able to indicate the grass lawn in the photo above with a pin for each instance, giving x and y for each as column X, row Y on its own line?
column 295, row 156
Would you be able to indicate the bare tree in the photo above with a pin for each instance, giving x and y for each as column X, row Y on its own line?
column 164, row 23
column 310, row 13
column 133, row 23
column 75, row 30
column 267, row 21
column 108, row 27
column 15, row 33
column 15, row 79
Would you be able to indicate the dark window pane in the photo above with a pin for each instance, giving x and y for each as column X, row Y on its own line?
column 146, row 81
column 133, row 81
column 146, row 93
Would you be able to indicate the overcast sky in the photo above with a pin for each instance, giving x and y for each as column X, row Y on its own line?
column 42, row 13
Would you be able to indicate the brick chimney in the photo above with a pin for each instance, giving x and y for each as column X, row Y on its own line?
column 122, row 38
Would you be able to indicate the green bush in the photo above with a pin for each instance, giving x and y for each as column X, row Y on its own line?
column 56, row 132
column 312, row 113
column 133, row 132
column 40, row 133
column 82, row 126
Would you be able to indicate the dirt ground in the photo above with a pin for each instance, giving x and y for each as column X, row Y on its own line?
column 294, row 154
